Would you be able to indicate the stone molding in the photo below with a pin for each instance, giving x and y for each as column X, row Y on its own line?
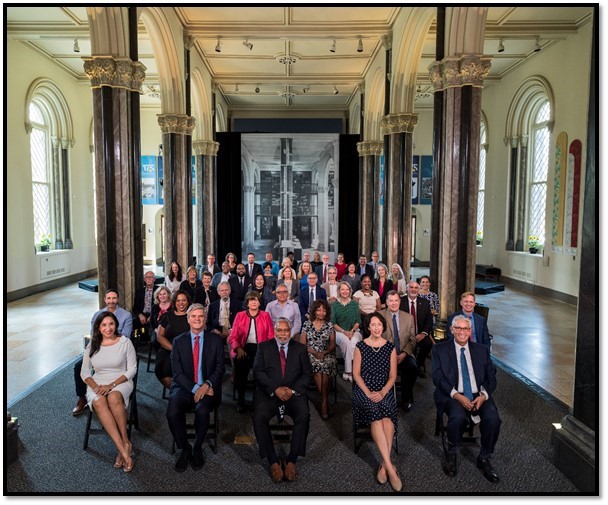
column 115, row 72
column 399, row 123
column 370, row 148
column 176, row 123
column 456, row 72
column 205, row 147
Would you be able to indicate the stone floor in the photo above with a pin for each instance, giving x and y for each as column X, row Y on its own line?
column 535, row 336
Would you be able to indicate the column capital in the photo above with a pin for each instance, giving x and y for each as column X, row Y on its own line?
column 404, row 122
column 370, row 148
column 115, row 72
column 176, row 123
column 205, row 147
column 54, row 142
column 67, row 143
column 455, row 72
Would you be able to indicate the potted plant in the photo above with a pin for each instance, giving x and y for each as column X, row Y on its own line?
column 479, row 238
column 533, row 244
column 45, row 242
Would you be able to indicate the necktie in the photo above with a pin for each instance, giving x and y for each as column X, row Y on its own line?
column 324, row 274
column 312, row 296
column 396, row 335
column 413, row 313
column 466, row 379
column 283, row 360
column 195, row 357
column 250, row 270
column 241, row 280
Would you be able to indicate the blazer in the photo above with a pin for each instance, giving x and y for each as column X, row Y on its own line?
column 267, row 368
column 183, row 366
column 407, row 337
column 140, row 300
column 236, row 290
column 482, row 334
column 213, row 296
column 369, row 270
column 295, row 288
column 388, row 285
column 257, row 269
column 355, row 282
column 303, row 299
column 325, row 286
column 217, row 278
column 319, row 272
column 213, row 313
column 264, row 328
column 215, row 269
column 445, row 369
column 424, row 317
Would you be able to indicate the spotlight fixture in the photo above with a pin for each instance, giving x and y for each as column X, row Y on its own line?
column 537, row 46
column 306, row 88
column 333, row 87
column 257, row 89
column 501, row 46
column 76, row 46
column 236, row 88
column 332, row 49
column 218, row 49
column 360, row 46
column 248, row 44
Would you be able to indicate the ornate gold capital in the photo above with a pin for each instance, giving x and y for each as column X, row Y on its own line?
column 370, row 148
column 205, row 147
column 176, row 123
column 455, row 72
column 115, row 72
column 398, row 123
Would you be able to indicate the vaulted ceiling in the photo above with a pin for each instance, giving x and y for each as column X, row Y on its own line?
column 290, row 63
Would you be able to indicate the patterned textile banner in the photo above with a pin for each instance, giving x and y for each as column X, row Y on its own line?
column 573, row 187
column 559, row 191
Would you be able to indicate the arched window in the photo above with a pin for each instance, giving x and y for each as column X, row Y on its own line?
column 41, row 180
column 482, row 182
column 539, row 169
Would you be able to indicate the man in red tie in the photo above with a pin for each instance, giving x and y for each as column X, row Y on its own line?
column 420, row 309
column 282, row 372
column 322, row 270
column 197, row 360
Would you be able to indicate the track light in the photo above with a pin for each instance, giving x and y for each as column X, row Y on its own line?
column 248, row 44
column 236, row 88
column 76, row 46
column 360, row 46
column 501, row 46
column 218, row 49
column 333, row 87
column 537, row 46
column 257, row 89
column 306, row 88
column 333, row 47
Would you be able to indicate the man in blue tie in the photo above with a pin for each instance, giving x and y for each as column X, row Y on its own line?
column 465, row 379
column 479, row 324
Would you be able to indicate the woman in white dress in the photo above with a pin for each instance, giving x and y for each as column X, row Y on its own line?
column 114, row 361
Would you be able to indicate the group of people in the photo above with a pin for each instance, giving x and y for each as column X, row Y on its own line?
column 286, row 328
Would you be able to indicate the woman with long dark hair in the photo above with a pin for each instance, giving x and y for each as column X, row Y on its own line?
column 114, row 361
column 259, row 285
column 175, row 277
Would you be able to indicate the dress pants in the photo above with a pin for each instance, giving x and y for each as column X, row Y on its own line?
column 182, row 402
column 423, row 348
column 408, row 370
column 347, row 348
column 241, row 371
column 81, row 387
column 265, row 409
column 457, row 423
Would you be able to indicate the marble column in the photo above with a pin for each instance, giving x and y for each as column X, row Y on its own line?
column 461, row 80
column 67, row 235
column 369, row 152
column 112, row 82
column 249, row 216
column 510, row 246
column 56, row 186
column 398, row 177
column 205, row 152
column 177, row 184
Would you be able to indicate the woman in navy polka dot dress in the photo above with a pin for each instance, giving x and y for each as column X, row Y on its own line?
column 374, row 374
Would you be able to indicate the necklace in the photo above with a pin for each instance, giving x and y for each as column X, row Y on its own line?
column 376, row 349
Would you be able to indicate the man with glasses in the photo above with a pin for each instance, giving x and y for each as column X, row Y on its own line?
column 285, row 308
column 465, row 380
column 479, row 324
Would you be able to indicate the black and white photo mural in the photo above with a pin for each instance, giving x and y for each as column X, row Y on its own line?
column 290, row 194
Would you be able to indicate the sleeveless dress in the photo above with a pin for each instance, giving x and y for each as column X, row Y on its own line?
column 375, row 370
column 319, row 341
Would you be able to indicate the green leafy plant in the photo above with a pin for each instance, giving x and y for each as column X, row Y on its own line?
column 479, row 237
column 534, row 242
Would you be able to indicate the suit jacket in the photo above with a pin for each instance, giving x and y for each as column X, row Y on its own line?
column 213, row 296
column 424, row 317
column 236, row 290
column 388, row 285
column 217, row 278
column 264, row 328
column 445, row 369
column 257, row 269
column 319, row 272
column 407, row 337
column 183, row 366
column 303, row 299
column 482, row 334
column 369, row 270
column 267, row 368
column 213, row 313
column 140, row 300
column 215, row 269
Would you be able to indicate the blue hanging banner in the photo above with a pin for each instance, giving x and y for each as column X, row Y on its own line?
column 415, row 172
column 426, row 180
column 159, row 180
column 148, row 180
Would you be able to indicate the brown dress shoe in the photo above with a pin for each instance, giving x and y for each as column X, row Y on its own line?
column 276, row 474
column 290, row 471
column 81, row 404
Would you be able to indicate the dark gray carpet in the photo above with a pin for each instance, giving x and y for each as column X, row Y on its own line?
column 51, row 459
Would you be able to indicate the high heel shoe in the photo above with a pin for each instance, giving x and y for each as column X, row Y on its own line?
column 128, row 467
column 379, row 479
column 395, row 483
column 119, row 462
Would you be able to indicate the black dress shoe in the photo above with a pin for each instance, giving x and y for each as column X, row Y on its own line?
column 486, row 467
column 81, row 405
column 197, row 459
column 449, row 465
column 182, row 462
column 421, row 373
column 407, row 405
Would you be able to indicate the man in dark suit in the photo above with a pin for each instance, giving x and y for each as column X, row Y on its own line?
column 363, row 268
column 197, row 360
column 222, row 276
column 480, row 332
column 221, row 313
column 400, row 332
column 307, row 297
column 423, row 320
column 211, row 265
column 322, row 270
column 465, row 379
column 143, row 301
column 252, row 268
column 239, row 283
column 282, row 372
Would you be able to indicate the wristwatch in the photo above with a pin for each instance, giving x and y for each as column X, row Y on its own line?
column 113, row 384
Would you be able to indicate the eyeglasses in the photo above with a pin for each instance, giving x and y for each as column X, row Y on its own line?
column 460, row 328
column 282, row 292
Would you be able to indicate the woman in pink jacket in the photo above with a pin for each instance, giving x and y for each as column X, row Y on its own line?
column 250, row 328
